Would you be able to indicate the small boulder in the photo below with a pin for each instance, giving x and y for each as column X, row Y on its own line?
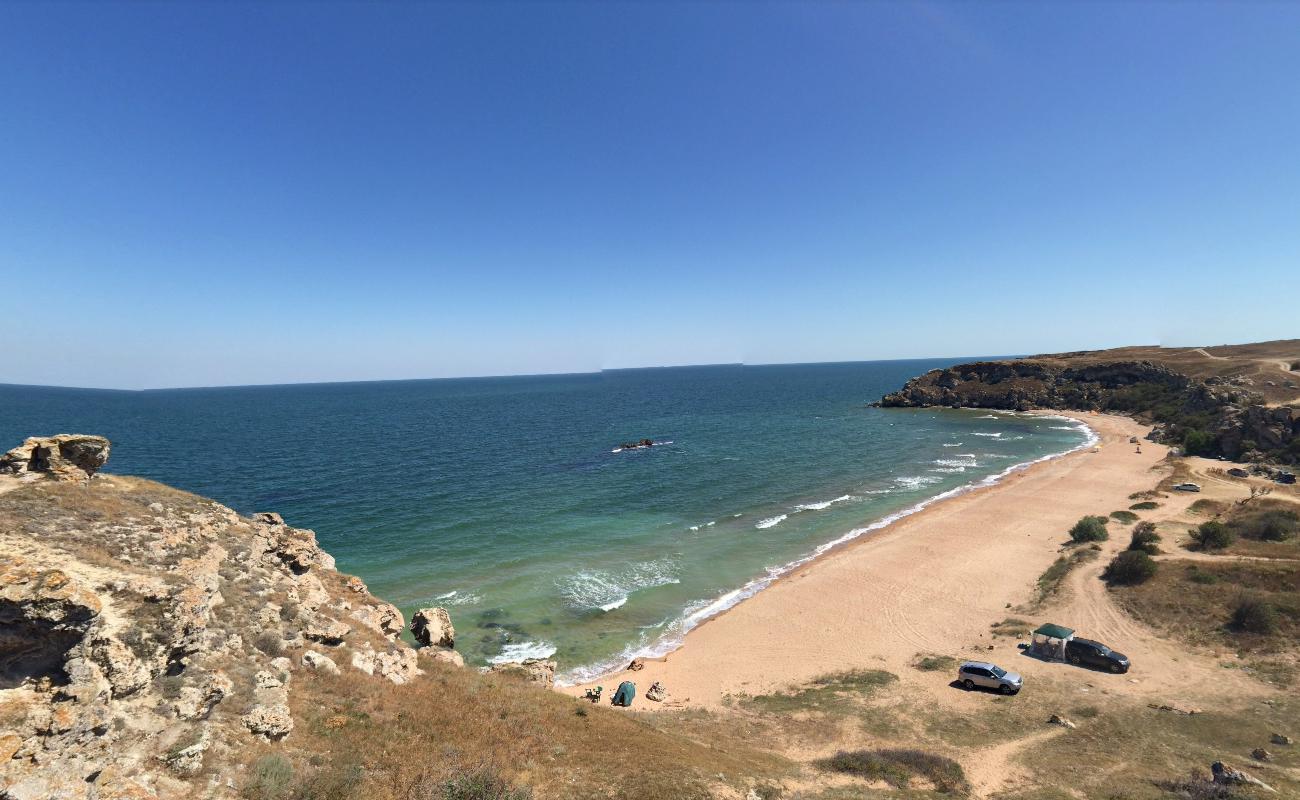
column 656, row 692
column 381, row 617
column 1225, row 775
column 432, row 628
column 326, row 631
column 1260, row 754
column 636, row 666
column 1279, row 738
column 444, row 655
column 270, row 721
column 319, row 662
column 1057, row 719
column 533, row 670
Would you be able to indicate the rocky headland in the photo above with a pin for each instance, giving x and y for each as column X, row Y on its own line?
column 149, row 638
column 1232, row 413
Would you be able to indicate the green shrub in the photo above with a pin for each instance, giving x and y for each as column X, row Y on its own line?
column 482, row 784
column 1145, row 505
column 896, row 767
column 1124, row 517
column 936, row 663
column 1145, row 538
column 1212, row 535
column 269, row 642
column 271, row 778
column 1130, row 568
column 1271, row 525
column 1196, row 575
column 1089, row 529
column 1198, row 443
column 1254, row 615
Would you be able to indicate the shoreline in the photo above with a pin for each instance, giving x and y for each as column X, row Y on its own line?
column 775, row 597
column 730, row 600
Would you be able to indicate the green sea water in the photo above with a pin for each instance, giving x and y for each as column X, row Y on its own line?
column 509, row 502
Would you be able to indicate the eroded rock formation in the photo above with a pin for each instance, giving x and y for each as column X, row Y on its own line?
column 149, row 637
column 67, row 457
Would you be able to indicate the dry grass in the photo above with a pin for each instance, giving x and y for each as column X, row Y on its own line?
column 402, row 740
column 1195, row 601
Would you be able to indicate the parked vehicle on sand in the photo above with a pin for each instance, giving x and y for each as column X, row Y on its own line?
column 1086, row 652
column 1187, row 487
column 981, row 674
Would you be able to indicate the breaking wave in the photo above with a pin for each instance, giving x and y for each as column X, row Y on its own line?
column 674, row 632
column 607, row 590
column 522, row 651
column 771, row 521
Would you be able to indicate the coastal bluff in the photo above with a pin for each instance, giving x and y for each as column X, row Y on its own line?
column 151, row 639
column 1242, row 402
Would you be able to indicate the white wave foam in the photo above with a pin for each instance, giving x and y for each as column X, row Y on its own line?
column 915, row 481
column 962, row 460
column 709, row 524
column 771, row 521
column 824, row 504
column 696, row 613
column 446, row 596
column 606, row 590
column 953, row 444
column 991, row 435
column 989, row 416
column 523, row 651
column 949, row 470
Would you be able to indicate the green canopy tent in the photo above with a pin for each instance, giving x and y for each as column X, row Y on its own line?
column 626, row 691
column 1049, row 641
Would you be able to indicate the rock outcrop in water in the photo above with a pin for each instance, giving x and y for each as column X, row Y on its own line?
column 149, row 639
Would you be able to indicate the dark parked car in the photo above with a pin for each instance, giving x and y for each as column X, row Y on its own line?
column 1086, row 652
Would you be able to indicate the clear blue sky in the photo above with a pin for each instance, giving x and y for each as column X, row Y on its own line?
column 216, row 193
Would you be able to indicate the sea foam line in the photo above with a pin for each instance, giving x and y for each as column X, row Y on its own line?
column 707, row 609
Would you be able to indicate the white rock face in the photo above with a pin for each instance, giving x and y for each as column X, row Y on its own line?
column 432, row 628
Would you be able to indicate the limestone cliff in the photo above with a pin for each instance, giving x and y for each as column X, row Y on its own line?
column 150, row 638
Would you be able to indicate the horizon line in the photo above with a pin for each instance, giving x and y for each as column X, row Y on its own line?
column 602, row 370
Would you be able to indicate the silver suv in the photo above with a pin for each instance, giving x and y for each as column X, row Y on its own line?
column 989, row 676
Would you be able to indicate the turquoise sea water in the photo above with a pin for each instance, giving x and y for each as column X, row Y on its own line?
column 503, row 499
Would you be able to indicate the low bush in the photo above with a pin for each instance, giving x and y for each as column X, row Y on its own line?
column 1130, row 568
column 1212, row 535
column 897, row 767
column 1145, row 505
column 1198, row 443
column 1124, row 517
column 1254, row 615
column 1269, row 525
column 1197, row 575
column 935, row 663
column 269, row 642
column 270, row 778
column 1089, row 529
column 1145, row 538
column 482, row 784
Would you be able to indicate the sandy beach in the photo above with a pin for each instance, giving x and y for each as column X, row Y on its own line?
column 933, row 583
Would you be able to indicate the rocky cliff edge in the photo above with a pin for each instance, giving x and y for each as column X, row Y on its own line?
column 150, row 638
